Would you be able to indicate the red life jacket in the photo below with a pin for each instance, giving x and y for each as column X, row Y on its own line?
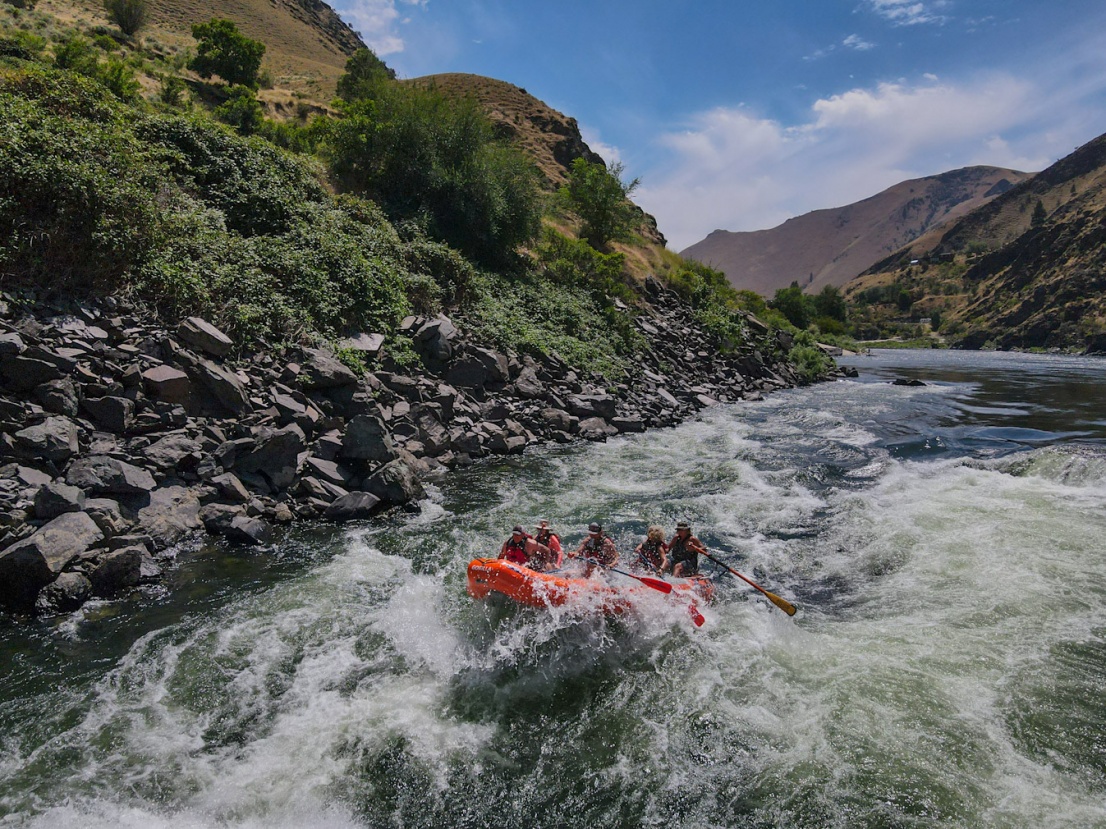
column 515, row 551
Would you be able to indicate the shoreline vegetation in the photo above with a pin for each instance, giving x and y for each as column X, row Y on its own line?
column 215, row 321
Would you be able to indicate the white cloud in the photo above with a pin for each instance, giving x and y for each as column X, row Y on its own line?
column 734, row 170
column 377, row 21
column 909, row 12
column 609, row 152
column 857, row 43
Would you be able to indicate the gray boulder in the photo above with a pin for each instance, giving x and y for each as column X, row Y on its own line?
column 55, row 439
column 56, row 499
column 29, row 565
column 172, row 513
column 366, row 439
column 59, row 396
column 322, row 370
column 223, row 385
column 395, row 483
column 276, row 458
column 113, row 414
column 65, row 594
column 352, row 507
column 100, row 474
column 246, row 531
column 108, row 516
column 168, row 384
column 116, row 571
column 592, row 405
column 173, row 452
column 201, row 334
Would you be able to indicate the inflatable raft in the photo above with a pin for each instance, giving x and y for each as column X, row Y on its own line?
column 537, row 589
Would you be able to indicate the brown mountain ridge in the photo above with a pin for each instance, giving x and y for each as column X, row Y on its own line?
column 831, row 246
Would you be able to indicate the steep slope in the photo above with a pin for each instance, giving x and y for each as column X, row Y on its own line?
column 1027, row 270
column 830, row 247
column 307, row 44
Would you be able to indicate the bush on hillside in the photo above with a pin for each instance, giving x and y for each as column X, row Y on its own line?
column 224, row 51
column 78, row 197
column 365, row 77
column 241, row 110
column 78, row 54
column 128, row 15
column 427, row 158
column 602, row 201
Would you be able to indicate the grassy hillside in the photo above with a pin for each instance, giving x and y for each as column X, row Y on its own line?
column 1024, row 271
column 111, row 182
column 307, row 43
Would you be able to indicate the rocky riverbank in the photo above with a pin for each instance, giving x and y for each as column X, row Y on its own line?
column 123, row 437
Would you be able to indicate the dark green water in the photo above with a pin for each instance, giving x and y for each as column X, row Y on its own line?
column 946, row 668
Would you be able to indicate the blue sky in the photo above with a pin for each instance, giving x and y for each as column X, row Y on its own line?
column 739, row 115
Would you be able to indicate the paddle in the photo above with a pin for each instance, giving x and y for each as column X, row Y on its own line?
column 782, row 604
column 656, row 584
column 698, row 618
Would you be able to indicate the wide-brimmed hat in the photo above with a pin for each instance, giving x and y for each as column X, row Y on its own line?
column 682, row 525
column 541, row 525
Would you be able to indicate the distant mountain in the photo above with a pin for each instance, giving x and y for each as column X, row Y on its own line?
column 1026, row 270
column 830, row 247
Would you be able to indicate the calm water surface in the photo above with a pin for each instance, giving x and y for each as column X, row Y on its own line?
column 946, row 668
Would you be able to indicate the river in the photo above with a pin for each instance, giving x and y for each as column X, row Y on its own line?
column 946, row 546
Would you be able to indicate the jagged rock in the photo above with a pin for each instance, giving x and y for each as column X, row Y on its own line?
column 24, row 372
column 367, row 344
column 560, row 419
column 596, row 428
column 468, row 373
column 100, row 474
column 434, row 341
column 115, row 414
column 174, row 453
column 59, row 396
column 366, row 439
column 248, row 531
column 171, row 513
column 528, row 386
column 168, row 384
column 352, row 507
column 201, row 334
column 231, row 488
column 25, row 475
column 628, row 424
column 322, row 370
column 56, row 499
column 276, row 457
column 223, row 385
column 65, row 594
column 328, row 471
column 55, row 439
column 592, row 405
column 10, row 343
column 216, row 518
column 394, row 483
column 29, row 565
column 117, row 570
column 902, row 381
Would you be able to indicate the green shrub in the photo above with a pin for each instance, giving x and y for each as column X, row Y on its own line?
column 224, row 51
column 425, row 157
column 172, row 91
column 241, row 110
column 128, row 15
column 602, row 201
column 810, row 362
column 21, row 45
column 77, row 196
column 366, row 75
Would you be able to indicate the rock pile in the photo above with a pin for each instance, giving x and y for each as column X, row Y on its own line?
column 121, row 438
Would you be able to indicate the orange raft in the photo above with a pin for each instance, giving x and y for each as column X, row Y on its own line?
column 537, row 589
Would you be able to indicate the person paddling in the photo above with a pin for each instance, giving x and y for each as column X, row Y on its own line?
column 520, row 548
column 652, row 553
column 597, row 547
column 683, row 552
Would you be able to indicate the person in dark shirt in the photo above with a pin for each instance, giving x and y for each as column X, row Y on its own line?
column 597, row 547
column 652, row 553
column 683, row 552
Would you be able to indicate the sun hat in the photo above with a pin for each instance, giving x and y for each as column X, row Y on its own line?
column 594, row 528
